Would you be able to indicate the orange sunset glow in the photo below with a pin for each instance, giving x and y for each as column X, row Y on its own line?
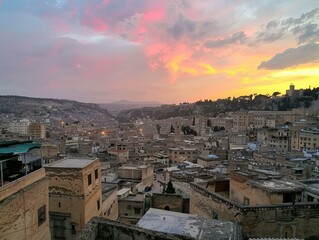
column 166, row 51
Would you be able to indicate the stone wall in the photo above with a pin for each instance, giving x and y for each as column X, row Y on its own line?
column 169, row 202
column 101, row 228
column 19, row 216
column 301, row 220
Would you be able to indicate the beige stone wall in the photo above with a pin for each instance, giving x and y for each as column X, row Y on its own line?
column 110, row 208
column 130, row 173
column 257, row 222
column 168, row 202
column 19, row 212
column 240, row 190
column 15, row 186
column 63, row 181
column 127, row 210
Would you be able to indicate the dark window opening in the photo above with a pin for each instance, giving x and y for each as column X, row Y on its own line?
column 166, row 208
column 89, row 179
column 98, row 204
column 73, row 231
column 137, row 210
column 246, row 201
column 41, row 215
column 288, row 197
column 96, row 174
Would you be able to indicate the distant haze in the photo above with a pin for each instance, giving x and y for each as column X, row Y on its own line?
column 117, row 106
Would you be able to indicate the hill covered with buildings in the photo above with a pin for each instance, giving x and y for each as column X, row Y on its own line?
column 48, row 109
column 291, row 100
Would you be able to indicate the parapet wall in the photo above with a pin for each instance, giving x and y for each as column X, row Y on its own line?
column 102, row 228
column 258, row 221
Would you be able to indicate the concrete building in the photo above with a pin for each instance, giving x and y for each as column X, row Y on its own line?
column 242, row 120
column 37, row 131
column 19, row 126
column 24, row 197
column 75, row 195
column 309, row 138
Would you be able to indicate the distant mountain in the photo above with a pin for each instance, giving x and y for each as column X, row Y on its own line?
column 48, row 108
column 118, row 106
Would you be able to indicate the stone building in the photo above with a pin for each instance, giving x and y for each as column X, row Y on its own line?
column 24, row 207
column 75, row 195
column 142, row 174
column 109, row 201
column 131, row 208
column 263, row 208
column 177, row 155
column 210, row 160
column 24, row 198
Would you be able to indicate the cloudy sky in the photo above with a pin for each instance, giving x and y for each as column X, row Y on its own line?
column 169, row 51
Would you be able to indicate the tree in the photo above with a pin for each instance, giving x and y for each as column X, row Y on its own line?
column 172, row 129
column 158, row 127
column 275, row 94
column 170, row 188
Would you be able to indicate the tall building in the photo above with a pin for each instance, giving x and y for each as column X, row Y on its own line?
column 36, row 131
column 75, row 195
column 19, row 126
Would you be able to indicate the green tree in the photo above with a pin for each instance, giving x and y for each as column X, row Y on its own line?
column 170, row 188
column 172, row 129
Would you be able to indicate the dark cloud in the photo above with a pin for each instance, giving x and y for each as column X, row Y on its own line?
column 292, row 57
column 309, row 32
column 304, row 28
column 269, row 36
column 236, row 38
column 182, row 26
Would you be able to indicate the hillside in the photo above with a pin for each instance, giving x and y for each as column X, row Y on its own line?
column 211, row 108
column 45, row 108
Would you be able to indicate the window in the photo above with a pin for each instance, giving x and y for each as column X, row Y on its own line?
column 98, row 204
column 310, row 198
column 137, row 210
column 246, row 201
column 89, row 179
column 41, row 215
column 73, row 231
column 215, row 216
column 96, row 174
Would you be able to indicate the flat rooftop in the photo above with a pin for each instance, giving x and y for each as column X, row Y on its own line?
column 70, row 163
column 277, row 186
column 188, row 225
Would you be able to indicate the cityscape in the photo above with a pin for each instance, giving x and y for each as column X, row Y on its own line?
column 173, row 120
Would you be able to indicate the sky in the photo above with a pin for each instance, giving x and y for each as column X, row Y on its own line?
column 169, row 51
